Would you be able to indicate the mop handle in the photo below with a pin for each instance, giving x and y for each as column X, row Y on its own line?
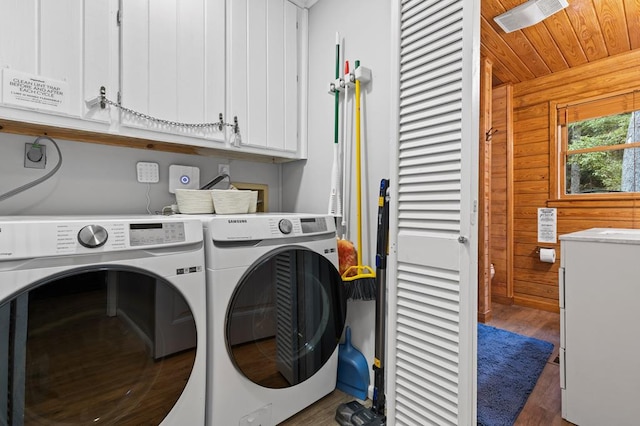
column 346, row 154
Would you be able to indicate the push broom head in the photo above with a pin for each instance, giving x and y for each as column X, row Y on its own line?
column 360, row 282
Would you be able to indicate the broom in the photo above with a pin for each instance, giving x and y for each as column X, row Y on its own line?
column 360, row 280
column 346, row 249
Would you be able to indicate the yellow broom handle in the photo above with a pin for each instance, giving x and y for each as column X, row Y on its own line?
column 358, row 171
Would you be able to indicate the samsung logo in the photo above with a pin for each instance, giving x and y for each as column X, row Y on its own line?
column 237, row 220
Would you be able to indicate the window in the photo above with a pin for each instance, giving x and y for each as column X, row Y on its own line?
column 599, row 147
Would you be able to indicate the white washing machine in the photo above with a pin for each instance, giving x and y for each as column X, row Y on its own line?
column 276, row 314
column 102, row 321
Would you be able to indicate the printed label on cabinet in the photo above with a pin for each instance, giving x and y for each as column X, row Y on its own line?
column 33, row 91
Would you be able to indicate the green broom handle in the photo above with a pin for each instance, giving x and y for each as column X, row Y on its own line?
column 337, row 93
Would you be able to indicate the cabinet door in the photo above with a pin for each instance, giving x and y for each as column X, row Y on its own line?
column 100, row 56
column 263, row 71
column 173, row 64
column 66, row 42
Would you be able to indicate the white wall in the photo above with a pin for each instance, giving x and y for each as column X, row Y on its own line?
column 101, row 179
column 364, row 27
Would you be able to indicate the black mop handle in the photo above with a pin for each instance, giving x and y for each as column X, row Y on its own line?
column 382, row 244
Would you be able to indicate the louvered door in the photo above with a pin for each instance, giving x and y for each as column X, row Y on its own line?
column 287, row 313
column 433, row 264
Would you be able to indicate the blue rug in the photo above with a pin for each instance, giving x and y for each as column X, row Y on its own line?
column 509, row 365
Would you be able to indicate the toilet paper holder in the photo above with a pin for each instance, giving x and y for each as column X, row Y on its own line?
column 538, row 248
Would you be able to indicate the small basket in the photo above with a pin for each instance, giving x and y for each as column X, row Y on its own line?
column 234, row 201
column 194, row 201
column 253, row 201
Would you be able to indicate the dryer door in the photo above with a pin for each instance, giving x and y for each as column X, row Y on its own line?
column 286, row 317
column 94, row 346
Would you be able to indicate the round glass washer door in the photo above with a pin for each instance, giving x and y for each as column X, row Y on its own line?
column 93, row 347
column 286, row 317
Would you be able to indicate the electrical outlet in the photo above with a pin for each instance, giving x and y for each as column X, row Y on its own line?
column 148, row 172
column 224, row 169
column 35, row 156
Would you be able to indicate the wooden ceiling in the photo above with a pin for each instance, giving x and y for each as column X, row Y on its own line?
column 585, row 31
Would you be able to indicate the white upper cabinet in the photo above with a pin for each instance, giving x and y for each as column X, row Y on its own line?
column 170, row 69
column 173, row 65
column 264, row 70
column 54, row 56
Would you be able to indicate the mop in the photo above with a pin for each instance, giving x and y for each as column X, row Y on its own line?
column 382, row 248
column 360, row 279
column 346, row 154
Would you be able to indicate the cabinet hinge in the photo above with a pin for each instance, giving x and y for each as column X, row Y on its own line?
column 119, row 17
column 296, row 25
column 119, row 97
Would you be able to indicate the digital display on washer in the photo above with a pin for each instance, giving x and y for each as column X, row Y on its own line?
column 313, row 224
column 142, row 234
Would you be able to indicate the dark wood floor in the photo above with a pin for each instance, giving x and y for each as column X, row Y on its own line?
column 543, row 405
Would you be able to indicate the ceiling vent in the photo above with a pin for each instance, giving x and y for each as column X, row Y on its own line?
column 528, row 14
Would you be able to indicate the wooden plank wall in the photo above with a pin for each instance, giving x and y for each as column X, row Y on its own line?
column 535, row 284
column 500, row 170
column 484, row 255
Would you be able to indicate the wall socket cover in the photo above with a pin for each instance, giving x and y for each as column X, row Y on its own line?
column 35, row 157
column 183, row 177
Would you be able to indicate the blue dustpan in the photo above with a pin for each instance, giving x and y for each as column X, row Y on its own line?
column 353, row 370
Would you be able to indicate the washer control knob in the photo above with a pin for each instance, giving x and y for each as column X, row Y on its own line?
column 285, row 226
column 92, row 236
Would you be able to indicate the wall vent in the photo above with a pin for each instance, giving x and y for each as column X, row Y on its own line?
column 528, row 14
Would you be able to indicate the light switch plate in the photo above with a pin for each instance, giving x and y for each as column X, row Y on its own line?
column 183, row 177
column 148, row 172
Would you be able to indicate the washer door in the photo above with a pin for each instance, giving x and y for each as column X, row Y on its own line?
column 286, row 317
column 93, row 347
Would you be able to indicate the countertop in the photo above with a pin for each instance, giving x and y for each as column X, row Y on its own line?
column 605, row 235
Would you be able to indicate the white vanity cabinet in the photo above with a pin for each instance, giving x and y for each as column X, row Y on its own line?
column 173, row 67
column 67, row 44
column 599, row 317
column 265, row 74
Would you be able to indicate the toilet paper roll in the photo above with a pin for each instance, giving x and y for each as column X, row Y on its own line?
column 548, row 255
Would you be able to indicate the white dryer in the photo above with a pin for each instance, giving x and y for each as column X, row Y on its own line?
column 276, row 314
column 102, row 321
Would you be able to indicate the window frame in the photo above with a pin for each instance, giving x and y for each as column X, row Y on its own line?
column 558, row 137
